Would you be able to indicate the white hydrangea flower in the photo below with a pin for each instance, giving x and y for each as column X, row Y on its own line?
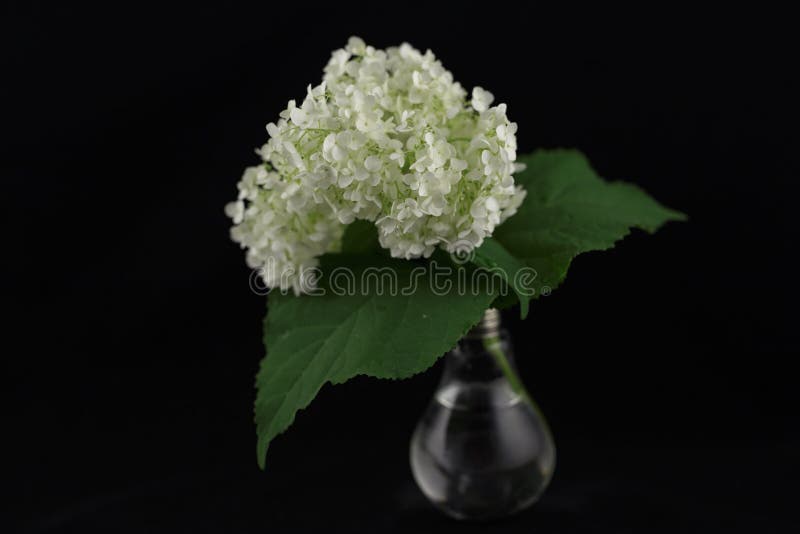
column 388, row 137
column 481, row 99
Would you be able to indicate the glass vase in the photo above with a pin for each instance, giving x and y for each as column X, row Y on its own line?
column 482, row 449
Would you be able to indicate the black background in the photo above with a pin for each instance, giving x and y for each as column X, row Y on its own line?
column 132, row 338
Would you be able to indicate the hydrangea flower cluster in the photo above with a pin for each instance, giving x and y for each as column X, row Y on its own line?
column 388, row 137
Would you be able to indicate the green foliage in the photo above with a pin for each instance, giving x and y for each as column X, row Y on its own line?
column 492, row 255
column 312, row 340
column 381, row 332
column 360, row 237
column 569, row 210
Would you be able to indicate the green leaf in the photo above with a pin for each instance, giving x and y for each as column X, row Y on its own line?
column 569, row 210
column 492, row 255
column 503, row 302
column 360, row 237
column 312, row 340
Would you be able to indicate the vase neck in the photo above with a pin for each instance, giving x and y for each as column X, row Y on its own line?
column 488, row 326
column 471, row 359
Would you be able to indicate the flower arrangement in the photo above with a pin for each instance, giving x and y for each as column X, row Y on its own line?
column 387, row 137
column 391, row 209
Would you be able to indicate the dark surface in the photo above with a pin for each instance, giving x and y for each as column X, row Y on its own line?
column 663, row 365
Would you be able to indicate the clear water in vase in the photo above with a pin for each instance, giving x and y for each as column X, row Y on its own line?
column 482, row 449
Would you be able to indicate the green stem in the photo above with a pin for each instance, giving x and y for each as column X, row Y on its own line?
column 493, row 346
